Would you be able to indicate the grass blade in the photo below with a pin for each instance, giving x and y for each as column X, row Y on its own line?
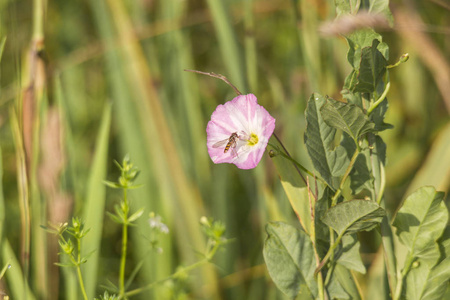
column 95, row 205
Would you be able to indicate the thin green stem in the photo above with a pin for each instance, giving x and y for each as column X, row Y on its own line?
column 382, row 97
column 398, row 290
column 382, row 184
column 78, row 263
column 124, row 244
column 189, row 268
column 344, row 178
column 329, row 254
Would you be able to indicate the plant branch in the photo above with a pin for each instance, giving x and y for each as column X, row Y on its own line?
column 78, row 264
column 124, row 244
column 218, row 76
column 329, row 253
column 189, row 268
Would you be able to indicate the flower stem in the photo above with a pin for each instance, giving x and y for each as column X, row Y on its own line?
column 124, row 244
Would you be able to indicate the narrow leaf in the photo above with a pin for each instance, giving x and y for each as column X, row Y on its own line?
column 347, row 117
column 289, row 256
column 95, row 204
column 328, row 160
column 136, row 215
column 352, row 216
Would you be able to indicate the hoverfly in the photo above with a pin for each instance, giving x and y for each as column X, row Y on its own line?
column 230, row 143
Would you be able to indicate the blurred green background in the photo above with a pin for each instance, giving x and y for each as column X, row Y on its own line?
column 85, row 82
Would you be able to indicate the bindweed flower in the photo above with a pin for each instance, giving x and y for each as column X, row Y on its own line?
column 239, row 131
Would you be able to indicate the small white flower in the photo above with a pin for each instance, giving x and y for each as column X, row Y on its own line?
column 155, row 222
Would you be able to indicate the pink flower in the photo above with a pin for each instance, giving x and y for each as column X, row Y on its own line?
column 239, row 131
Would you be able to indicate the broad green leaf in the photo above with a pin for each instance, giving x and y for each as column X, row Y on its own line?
column 289, row 256
column 328, row 160
column 357, row 41
column 421, row 221
column 361, row 176
column 335, row 289
column 346, row 117
column 379, row 7
column 347, row 281
column 439, row 277
column 425, row 281
column 371, row 69
column 346, row 7
column 377, row 116
column 352, row 216
column 348, row 254
column 349, row 85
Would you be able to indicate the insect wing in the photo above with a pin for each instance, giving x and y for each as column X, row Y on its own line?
column 234, row 152
column 220, row 143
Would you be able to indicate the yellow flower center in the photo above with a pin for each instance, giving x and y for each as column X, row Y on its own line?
column 253, row 140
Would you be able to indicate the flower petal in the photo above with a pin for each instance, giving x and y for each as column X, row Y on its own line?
column 245, row 117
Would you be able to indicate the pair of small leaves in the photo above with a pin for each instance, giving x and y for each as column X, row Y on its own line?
column 119, row 217
column 422, row 227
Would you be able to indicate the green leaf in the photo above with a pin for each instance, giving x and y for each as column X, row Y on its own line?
column 346, row 117
column 329, row 161
column 371, row 69
column 353, row 216
column 425, row 281
column 377, row 116
column 359, row 40
column 289, row 256
column 136, row 215
column 421, row 221
column 438, row 279
column 347, row 281
column 348, row 254
column 335, row 289
column 349, row 85
column 379, row 7
column 346, row 7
